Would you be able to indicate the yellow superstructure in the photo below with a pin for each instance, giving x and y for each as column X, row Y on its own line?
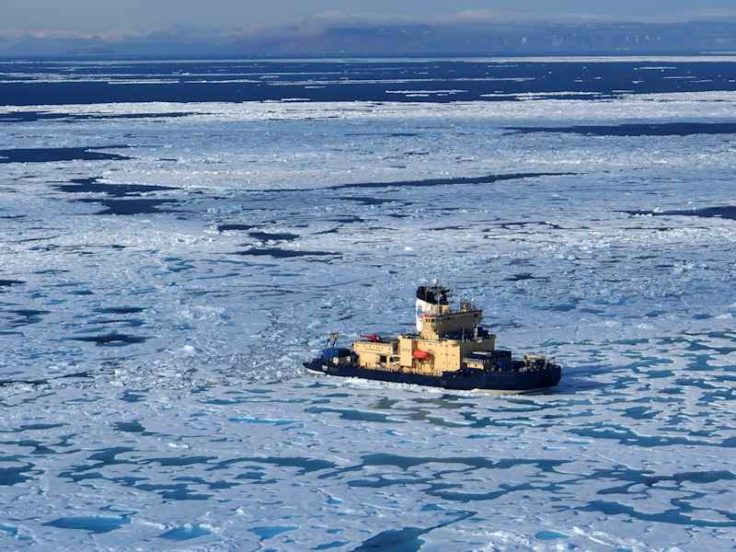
column 447, row 340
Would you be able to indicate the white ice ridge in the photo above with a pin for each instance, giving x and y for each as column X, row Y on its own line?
column 655, row 107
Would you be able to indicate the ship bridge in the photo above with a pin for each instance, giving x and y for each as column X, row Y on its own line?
column 444, row 341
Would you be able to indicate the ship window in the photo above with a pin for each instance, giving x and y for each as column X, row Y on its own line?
column 382, row 359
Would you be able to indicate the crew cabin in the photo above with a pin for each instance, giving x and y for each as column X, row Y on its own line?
column 446, row 340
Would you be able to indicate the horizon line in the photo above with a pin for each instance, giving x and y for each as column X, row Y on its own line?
column 323, row 21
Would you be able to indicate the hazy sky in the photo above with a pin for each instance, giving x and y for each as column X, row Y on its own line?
column 146, row 15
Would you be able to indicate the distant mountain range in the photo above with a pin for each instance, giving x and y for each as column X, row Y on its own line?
column 457, row 37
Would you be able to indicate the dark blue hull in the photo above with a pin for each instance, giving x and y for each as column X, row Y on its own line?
column 509, row 380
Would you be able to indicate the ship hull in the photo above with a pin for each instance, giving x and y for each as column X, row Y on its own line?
column 510, row 381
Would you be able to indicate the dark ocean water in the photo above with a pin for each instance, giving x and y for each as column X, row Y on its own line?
column 81, row 82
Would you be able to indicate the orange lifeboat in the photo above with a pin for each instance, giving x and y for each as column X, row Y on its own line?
column 421, row 355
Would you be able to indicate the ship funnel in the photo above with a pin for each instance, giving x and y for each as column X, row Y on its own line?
column 429, row 302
